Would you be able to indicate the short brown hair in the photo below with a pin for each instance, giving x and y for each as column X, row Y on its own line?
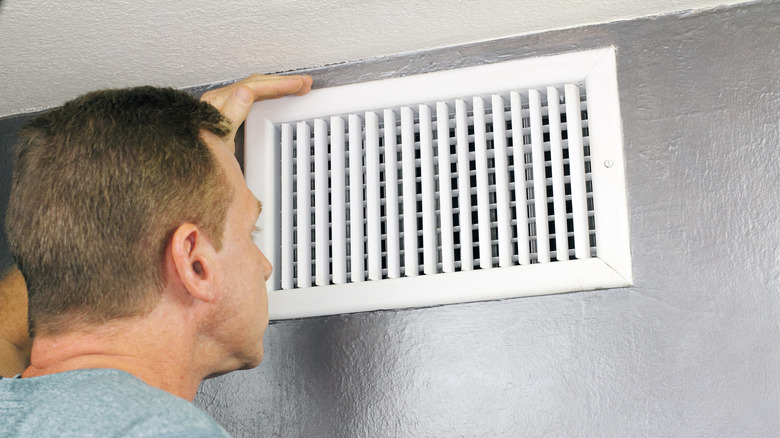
column 99, row 186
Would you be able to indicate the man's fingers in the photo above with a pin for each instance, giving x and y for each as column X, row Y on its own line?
column 236, row 106
column 272, row 87
column 235, row 100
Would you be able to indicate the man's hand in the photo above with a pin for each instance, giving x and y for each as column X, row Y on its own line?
column 235, row 100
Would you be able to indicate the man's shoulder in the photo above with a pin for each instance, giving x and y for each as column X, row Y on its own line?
column 98, row 402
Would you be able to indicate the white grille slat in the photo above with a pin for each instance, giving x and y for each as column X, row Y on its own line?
column 445, row 187
column 539, row 180
column 288, row 225
column 428, row 197
column 464, row 198
column 373, row 208
column 577, row 170
column 520, row 187
column 502, row 183
column 338, row 200
column 321, row 204
column 409, row 196
column 483, row 211
column 303, row 204
column 556, row 162
column 357, row 254
column 391, row 196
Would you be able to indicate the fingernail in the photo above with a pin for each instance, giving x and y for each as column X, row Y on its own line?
column 243, row 95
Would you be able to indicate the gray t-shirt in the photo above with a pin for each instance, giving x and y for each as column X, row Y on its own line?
column 97, row 403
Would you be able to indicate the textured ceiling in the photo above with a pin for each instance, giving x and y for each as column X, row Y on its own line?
column 51, row 51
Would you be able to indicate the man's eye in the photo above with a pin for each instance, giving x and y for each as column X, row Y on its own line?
column 256, row 232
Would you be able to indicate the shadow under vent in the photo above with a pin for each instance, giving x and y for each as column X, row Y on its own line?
column 409, row 192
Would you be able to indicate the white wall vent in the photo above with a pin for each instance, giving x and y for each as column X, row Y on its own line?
column 481, row 183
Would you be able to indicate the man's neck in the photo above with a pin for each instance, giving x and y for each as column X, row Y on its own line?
column 160, row 357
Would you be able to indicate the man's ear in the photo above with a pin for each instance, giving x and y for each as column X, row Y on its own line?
column 192, row 255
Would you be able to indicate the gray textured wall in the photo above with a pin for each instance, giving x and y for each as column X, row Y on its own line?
column 693, row 349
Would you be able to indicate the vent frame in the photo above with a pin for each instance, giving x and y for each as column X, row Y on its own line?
column 611, row 267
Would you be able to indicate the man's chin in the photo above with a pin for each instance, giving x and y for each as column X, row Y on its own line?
column 254, row 361
column 244, row 363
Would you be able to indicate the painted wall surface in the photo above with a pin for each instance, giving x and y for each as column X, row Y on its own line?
column 52, row 51
column 693, row 349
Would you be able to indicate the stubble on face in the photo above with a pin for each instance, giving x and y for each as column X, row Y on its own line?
column 241, row 315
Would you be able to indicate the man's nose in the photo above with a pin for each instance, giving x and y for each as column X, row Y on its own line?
column 268, row 267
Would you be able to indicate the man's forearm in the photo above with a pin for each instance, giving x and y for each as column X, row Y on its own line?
column 12, row 360
column 14, row 336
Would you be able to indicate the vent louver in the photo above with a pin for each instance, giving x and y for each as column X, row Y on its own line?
column 388, row 197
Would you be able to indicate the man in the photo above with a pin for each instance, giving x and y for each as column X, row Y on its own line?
column 133, row 227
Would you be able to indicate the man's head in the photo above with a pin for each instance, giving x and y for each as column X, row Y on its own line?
column 100, row 184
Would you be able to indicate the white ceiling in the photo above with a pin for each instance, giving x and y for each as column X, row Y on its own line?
column 51, row 51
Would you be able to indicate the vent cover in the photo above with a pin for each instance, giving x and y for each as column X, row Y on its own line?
column 480, row 183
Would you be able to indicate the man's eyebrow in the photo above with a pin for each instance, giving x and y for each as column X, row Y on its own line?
column 259, row 208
